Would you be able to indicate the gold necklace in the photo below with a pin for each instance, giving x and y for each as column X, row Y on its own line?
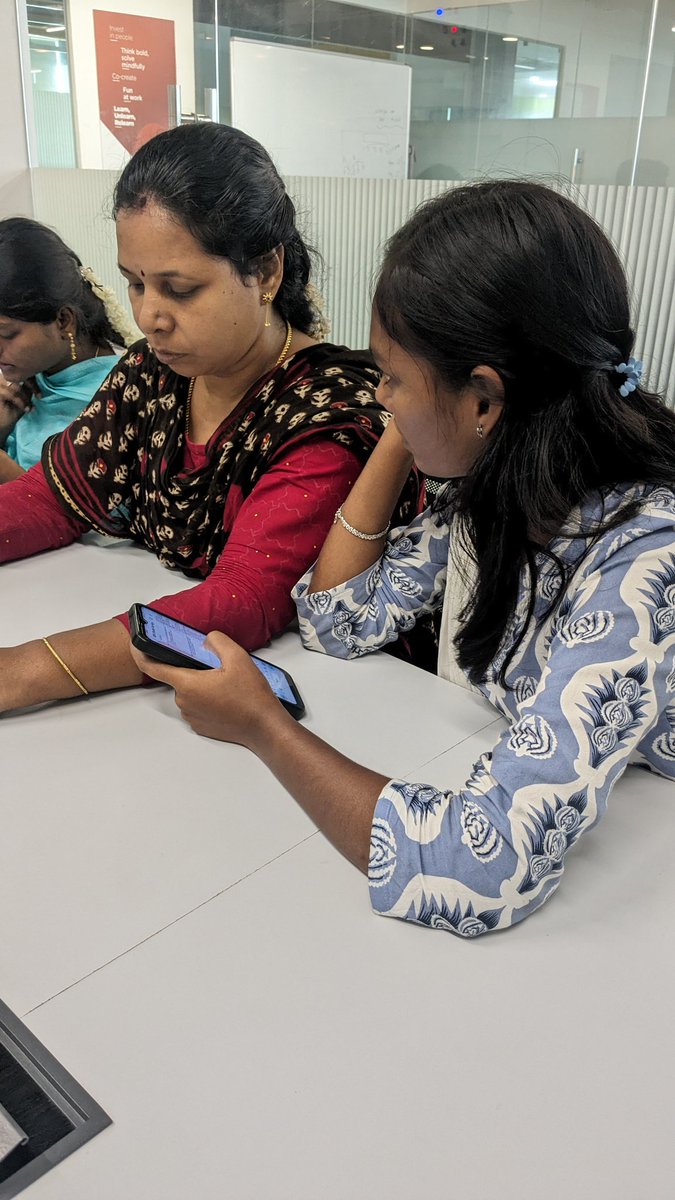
column 188, row 404
column 286, row 346
column 284, row 351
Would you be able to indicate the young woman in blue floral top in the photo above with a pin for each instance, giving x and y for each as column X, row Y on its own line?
column 501, row 325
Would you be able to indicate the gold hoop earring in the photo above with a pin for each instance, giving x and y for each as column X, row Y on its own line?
column 267, row 298
column 480, row 432
column 73, row 347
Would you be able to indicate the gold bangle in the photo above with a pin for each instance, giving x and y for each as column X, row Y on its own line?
column 67, row 670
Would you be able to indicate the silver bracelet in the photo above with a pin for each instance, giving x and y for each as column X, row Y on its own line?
column 365, row 537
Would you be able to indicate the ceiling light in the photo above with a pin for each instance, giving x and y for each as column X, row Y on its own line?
column 509, row 39
column 426, row 47
column 401, row 46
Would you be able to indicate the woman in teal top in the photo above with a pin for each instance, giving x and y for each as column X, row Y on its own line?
column 61, row 332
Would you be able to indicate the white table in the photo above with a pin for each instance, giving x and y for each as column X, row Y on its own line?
column 208, row 967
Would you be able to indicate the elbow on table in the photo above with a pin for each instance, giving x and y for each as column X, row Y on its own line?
column 333, row 649
column 449, row 904
column 324, row 640
column 464, row 918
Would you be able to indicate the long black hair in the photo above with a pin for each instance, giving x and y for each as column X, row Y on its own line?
column 515, row 276
column 40, row 275
column 224, row 188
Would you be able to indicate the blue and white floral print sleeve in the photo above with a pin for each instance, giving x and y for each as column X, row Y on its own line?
column 371, row 610
column 592, row 688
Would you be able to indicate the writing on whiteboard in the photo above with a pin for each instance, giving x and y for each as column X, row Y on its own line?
column 388, row 118
column 350, row 115
column 377, row 155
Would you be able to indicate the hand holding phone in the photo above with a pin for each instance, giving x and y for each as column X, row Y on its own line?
column 180, row 645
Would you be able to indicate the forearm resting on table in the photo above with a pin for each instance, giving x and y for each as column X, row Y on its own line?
column 336, row 793
column 98, row 655
column 368, row 507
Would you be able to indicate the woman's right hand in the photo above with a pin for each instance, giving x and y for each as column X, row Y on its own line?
column 368, row 508
column 392, row 445
column 16, row 399
column 387, row 469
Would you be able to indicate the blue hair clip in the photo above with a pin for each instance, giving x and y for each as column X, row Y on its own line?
column 633, row 372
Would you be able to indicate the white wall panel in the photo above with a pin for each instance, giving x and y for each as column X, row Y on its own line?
column 349, row 220
column 78, row 205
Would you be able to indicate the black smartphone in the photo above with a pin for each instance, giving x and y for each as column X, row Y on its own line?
column 180, row 645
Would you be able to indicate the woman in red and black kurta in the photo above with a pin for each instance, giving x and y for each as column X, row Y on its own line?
column 224, row 443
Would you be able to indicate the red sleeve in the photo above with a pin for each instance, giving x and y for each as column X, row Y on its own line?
column 31, row 518
column 277, row 533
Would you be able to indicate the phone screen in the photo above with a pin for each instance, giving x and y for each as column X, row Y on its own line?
column 175, row 636
column 276, row 679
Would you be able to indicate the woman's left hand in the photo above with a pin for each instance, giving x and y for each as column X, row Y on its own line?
column 232, row 702
column 16, row 399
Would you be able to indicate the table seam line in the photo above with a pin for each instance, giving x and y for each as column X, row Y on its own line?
column 163, row 928
column 235, row 883
column 454, row 746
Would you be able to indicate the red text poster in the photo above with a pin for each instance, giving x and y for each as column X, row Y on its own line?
column 135, row 63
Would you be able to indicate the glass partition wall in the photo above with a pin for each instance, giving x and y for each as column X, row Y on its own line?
column 51, row 84
column 562, row 90
column 580, row 89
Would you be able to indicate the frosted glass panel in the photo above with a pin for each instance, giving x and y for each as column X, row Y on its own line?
column 54, row 129
column 50, row 84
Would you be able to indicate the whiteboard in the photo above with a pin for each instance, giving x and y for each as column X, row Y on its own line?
column 319, row 113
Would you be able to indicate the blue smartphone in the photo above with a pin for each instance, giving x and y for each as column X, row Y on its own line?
column 180, row 645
